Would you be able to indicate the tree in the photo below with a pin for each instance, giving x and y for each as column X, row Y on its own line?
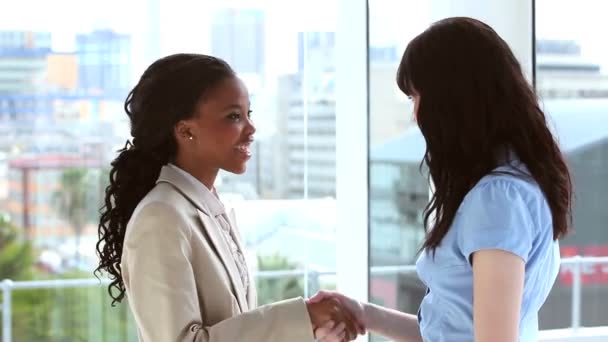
column 57, row 315
column 276, row 289
column 16, row 257
column 74, row 200
column 70, row 315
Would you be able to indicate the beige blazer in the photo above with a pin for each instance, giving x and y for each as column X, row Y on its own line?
column 181, row 279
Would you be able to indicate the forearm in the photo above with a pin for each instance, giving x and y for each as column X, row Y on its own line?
column 281, row 321
column 392, row 324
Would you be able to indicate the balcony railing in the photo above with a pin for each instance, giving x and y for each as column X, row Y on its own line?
column 8, row 286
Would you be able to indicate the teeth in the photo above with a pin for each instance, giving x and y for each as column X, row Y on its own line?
column 243, row 148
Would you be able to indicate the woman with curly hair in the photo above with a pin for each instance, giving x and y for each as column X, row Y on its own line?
column 165, row 238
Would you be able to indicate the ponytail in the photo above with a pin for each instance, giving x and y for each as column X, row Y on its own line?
column 133, row 174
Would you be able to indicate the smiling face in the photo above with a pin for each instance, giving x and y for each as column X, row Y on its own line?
column 220, row 133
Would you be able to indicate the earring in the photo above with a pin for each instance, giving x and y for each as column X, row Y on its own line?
column 190, row 138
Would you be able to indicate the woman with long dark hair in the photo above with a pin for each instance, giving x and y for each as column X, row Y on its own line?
column 165, row 238
column 502, row 192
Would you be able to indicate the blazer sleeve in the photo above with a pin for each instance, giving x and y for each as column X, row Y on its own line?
column 163, row 297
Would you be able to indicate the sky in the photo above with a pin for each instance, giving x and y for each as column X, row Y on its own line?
column 183, row 23
column 583, row 20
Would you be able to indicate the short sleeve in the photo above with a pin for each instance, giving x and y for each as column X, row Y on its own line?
column 494, row 215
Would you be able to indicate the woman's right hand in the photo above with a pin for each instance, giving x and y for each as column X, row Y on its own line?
column 322, row 311
column 355, row 307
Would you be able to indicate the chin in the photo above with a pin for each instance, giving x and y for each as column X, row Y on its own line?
column 238, row 170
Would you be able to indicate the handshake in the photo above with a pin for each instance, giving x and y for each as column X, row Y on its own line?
column 335, row 317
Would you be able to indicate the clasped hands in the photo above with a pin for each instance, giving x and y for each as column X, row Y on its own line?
column 335, row 317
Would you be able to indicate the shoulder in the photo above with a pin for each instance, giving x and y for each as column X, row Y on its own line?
column 507, row 185
column 162, row 212
column 498, row 213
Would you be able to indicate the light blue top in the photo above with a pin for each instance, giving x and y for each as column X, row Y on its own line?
column 505, row 212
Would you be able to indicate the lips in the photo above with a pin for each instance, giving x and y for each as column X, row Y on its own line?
column 244, row 148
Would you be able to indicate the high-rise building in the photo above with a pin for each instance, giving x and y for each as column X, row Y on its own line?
column 104, row 60
column 304, row 146
column 316, row 51
column 307, row 114
column 562, row 72
column 307, row 135
column 238, row 36
column 23, row 61
column 23, row 68
column 37, row 84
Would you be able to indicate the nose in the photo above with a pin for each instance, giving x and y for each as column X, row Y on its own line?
column 250, row 128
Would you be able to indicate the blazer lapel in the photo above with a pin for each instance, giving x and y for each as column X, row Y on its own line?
column 224, row 253
column 196, row 196
column 183, row 185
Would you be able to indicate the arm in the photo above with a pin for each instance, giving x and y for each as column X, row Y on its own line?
column 392, row 324
column 497, row 238
column 163, row 297
column 498, row 278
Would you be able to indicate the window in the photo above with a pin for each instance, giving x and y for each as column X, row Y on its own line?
column 63, row 80
column 572, row 81
column 571, row 73
column 69, row 125
column 398, row 191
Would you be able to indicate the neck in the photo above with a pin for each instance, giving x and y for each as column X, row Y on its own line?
column 204, row 174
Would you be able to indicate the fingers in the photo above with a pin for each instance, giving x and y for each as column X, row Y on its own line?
column 353, row 309
column 320, row 312
column 324, row 330
column 331, row 332
column 319, row 296
column 331, row 309
column 340, row 314
column 350, row 316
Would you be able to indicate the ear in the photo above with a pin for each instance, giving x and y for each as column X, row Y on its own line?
column 183, row 130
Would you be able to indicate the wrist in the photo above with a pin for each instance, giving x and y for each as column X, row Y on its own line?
column 367, row 309
column 309, row 311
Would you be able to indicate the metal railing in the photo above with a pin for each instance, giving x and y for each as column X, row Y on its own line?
column 577, row 263
column 8, row 286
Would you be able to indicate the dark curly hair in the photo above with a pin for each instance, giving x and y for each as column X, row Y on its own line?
column 474, row 104
column 167, row 92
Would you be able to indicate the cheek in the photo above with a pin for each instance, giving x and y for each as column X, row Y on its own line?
column 226, row 136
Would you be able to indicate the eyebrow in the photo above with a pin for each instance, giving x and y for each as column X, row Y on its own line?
column 234, row 106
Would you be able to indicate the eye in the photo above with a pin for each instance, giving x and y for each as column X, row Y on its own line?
column 234, row 116
column 249, row 114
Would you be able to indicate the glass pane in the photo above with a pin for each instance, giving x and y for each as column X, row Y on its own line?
column 572, row 81
column 70, row 314
column 398, row 189
column 285, row 202
column 63, row 81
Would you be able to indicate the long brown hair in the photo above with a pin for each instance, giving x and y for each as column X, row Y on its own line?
column 475, row 103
